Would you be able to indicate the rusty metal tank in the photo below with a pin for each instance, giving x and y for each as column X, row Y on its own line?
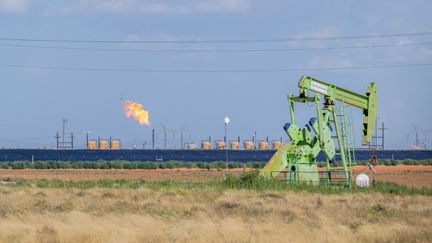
column 276, row 144
column 248, row 145
column 92, row 144
column 206, row 144
column 115, row 144
column 235, row 145
column 220, row 144
column 263, row 145
column 104, row 144
column 191, row 146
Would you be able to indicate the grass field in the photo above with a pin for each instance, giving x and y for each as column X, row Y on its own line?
column 197, row 205
column 409, row 175
column 118, row 211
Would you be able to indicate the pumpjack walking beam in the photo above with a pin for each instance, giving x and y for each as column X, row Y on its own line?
column 367, row 102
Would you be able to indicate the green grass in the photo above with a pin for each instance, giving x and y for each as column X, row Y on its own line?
column 121, row 164
column 247, row 181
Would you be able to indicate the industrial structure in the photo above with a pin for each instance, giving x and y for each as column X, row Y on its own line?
column 101, row 143
column 297, row 160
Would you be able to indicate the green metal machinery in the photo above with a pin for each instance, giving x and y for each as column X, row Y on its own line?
column 297, row 160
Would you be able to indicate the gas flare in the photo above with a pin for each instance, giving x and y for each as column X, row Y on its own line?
column 136, row 111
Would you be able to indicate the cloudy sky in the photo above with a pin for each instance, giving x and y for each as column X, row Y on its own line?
column 79, row 59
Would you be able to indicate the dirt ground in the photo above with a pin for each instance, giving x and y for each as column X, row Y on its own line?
column 412, row 175
column 409, row 175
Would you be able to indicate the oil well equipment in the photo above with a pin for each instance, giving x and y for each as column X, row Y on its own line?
column 332, row 126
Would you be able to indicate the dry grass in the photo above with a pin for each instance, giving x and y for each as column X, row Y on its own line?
column 409, row 175
column 209, row 215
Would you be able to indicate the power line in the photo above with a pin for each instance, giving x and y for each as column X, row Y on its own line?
column 26, row 139
column 312, row 38
column 217, row 50
column 59, row 68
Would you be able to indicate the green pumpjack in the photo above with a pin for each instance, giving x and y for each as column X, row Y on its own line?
column 297, row 160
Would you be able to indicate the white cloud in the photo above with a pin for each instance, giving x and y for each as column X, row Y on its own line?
column 152, row 6
column 328, row 31
column 15, row 6
column 223, row 5
column 407, row 54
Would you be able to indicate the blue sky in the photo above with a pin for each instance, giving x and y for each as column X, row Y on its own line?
column 34, row 101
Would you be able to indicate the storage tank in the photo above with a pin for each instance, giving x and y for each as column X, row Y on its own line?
column 206, row 144
column 115, row 144
column 92, row 144
column 191, row 146
column 263, row 145
column 276, row 144
column 104, row 144
column 220, row 144
column 248, row 145
column 235, row 145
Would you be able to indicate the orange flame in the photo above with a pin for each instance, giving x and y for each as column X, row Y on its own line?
column 136, row 111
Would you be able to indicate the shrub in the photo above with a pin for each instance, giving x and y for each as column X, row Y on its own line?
column 170, row 165
column 232, row 165
column 4, row 166
column 220, row 165
column 255, row 165
column 201, row 165
column 188, row 165
column 117, row 165
column 18, row 165
column 65, row 165
column 381, row 162
column 40, row 165
column 130, row 165
column 153, row 165
column 250, row 177
column 407, row 162
column 103, row 165
column 363, row 162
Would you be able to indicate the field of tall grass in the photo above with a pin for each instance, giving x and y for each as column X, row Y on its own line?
column 237, row 209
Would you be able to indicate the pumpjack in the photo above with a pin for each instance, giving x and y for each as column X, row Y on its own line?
column 298, row 159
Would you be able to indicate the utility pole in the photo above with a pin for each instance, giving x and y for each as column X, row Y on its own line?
column 378, row 138
column 382, row 135
column 57, row 137
column 153, row 138
column 165, row 136
column 72, row 140
column 65, row 121
column 416, row 135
